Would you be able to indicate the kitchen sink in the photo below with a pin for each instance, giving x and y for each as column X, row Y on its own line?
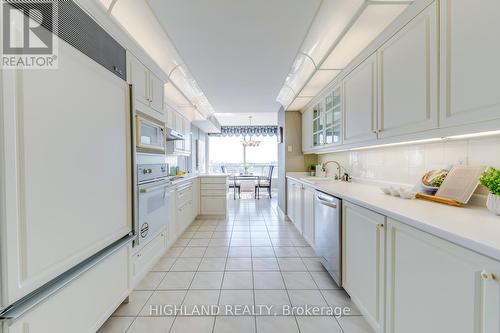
column 316, row 180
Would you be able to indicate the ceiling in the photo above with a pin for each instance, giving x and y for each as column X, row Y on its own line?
column 238, row 51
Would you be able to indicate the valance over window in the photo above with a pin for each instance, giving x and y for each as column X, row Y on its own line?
column 247, row 130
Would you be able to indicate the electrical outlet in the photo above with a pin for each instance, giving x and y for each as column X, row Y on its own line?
column 290, row 149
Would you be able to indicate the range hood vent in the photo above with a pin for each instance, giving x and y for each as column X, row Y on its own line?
column 173, row 135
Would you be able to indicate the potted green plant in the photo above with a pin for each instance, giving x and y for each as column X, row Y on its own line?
column 246, row 167
column 491, row 180
column 312, row 169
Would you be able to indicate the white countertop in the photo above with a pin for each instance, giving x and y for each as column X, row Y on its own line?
column 188, row 177
column 472, row 227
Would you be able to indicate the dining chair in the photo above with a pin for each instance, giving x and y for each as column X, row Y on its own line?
column 233, row 183
column 264, row 182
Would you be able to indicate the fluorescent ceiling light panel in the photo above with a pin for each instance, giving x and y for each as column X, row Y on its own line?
column 174, row 97
column 319, row 81
column 302, row 69
column 106, row 3
column 299, row 103
column 137, row 19
column 331, row 20
column 285, row 96
column 374, row 19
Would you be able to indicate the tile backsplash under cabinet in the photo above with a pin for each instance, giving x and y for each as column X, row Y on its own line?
column 406, row 164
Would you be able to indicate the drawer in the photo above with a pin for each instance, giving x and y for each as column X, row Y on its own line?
column 84, row 304
column 213, row 186
column 185, row 195
column 144, row 260
column 213, row 193
column 213, row 206
column 213, row 180
column 184, row 216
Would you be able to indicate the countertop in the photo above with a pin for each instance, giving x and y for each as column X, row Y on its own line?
column 472, row 227
column 189, row 177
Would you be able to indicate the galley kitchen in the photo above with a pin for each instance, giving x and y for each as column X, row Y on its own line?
column 302, row 166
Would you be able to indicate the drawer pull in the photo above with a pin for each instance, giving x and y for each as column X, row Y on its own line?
column 487, row 276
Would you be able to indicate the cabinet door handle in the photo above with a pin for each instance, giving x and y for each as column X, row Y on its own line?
column 488, row 276
column 380, row 225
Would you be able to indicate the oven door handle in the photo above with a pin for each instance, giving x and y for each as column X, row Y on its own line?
column 153, row 188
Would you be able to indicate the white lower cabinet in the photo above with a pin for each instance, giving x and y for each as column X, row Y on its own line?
column 83, row 305
column 184, row 204
column 145, row 259
column 294, row 203
column 406, row 280
column 436, row 286
column 308, row 216
column 363, row 261
column 213, row 196
column 290, row 199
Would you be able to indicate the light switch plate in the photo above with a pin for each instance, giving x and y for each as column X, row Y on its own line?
column 290, row 149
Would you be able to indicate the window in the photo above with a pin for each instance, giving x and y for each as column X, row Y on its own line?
column 228, row 151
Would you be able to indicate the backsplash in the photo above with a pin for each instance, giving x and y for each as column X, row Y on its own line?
column 406, row 164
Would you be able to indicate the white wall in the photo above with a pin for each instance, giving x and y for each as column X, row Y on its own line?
column 407, row 164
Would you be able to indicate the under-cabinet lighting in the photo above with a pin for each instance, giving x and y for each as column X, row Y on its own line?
column 473, row 135
column 412, row 142
column 374, row 19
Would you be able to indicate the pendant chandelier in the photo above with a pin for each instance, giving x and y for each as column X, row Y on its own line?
column 250, row 142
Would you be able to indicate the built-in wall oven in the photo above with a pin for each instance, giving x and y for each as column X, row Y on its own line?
column 150, row 135
column 155, row 196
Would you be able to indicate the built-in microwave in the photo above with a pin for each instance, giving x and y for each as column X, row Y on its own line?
column 150, row 135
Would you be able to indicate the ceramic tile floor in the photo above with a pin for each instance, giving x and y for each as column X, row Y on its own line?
column 251, row 258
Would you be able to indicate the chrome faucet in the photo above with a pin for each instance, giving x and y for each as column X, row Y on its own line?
column 339, row 167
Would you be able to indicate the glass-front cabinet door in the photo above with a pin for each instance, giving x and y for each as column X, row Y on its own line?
column 327, row 119
column 318, row 125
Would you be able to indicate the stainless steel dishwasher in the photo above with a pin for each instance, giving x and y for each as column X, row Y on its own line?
column 328, row 235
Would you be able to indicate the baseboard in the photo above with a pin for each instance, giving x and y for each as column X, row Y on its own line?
column 282, row 214
column 211, row 217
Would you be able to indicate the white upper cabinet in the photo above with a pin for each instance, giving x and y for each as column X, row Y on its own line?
column 148, row 88
column 307, row 131
column 470, row 66
column 360, row 108
column 436, row 286
column 408, row 78
column 139, row 77
column 156, row 92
